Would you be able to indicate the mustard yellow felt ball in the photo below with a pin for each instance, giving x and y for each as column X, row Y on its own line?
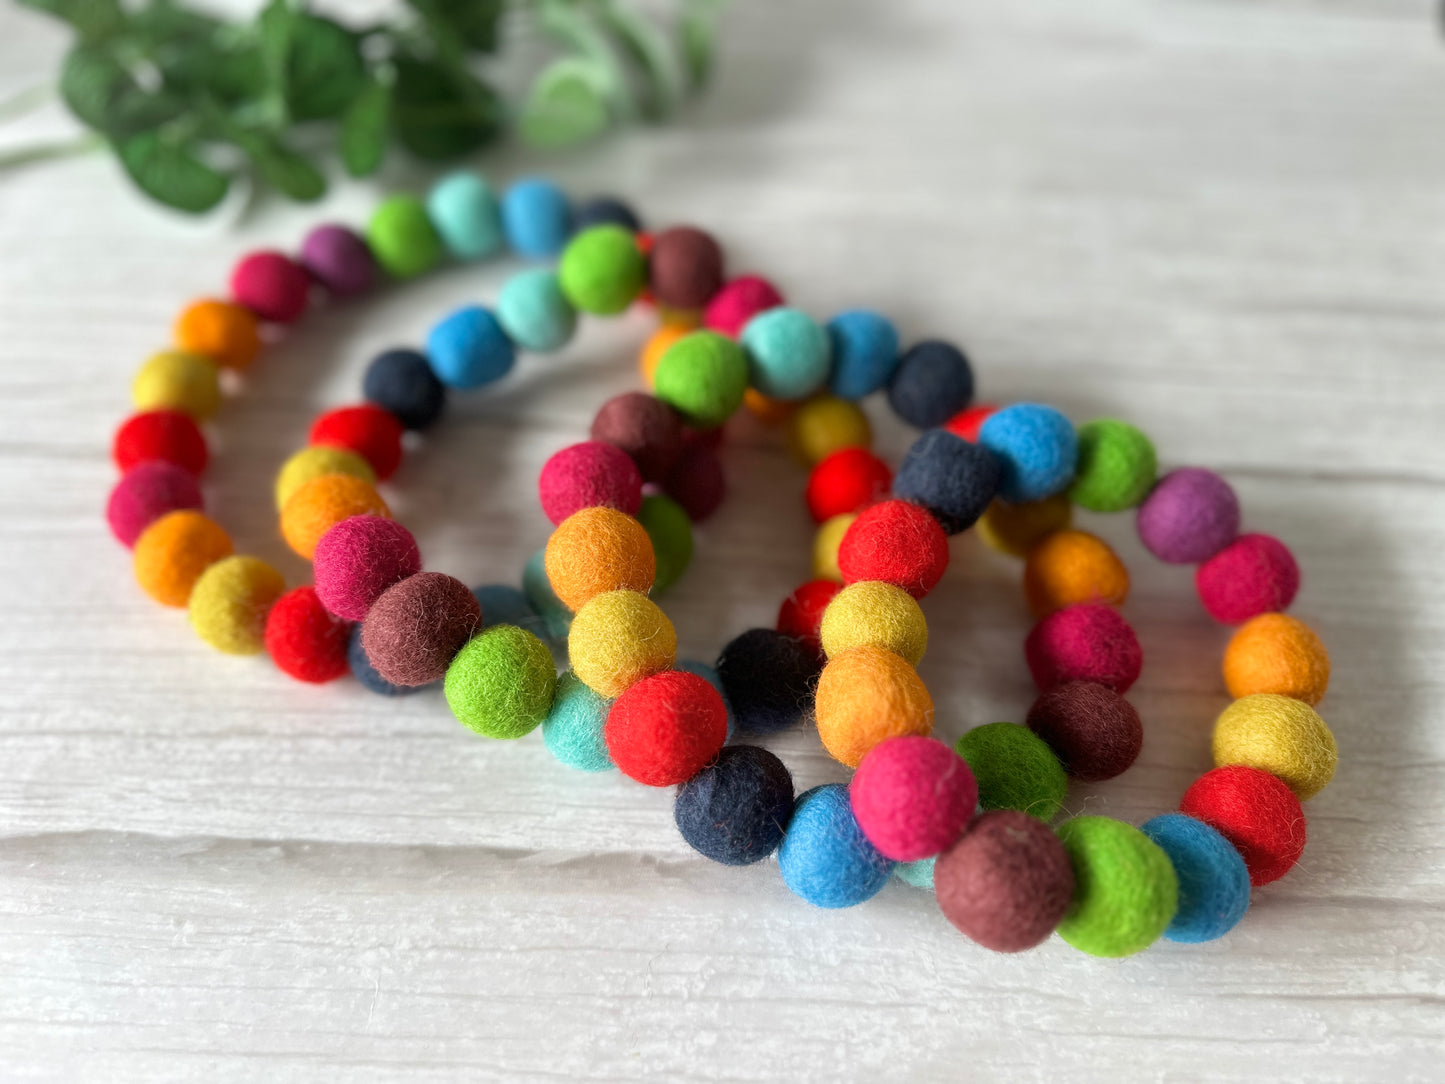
column 617, row 639
column 1280, row 735
column 322, row 503
column 825, row 546
column 1276, row 653
column 1014, row 529
column 172, row 552
column 866, row 696
column 230, row 602
column 877, row 614
column 316, row 462
column 178, row 380
column 595, row 550
column 826, row 424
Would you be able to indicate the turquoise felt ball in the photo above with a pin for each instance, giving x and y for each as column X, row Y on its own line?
column 464, row 210
column 469, row 348
column 788, row 353
column 534, row 312
column 573, row 729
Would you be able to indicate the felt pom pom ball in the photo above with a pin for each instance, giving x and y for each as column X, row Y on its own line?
column 896, row 542
column 696, row 482
column 416, row 627
column 1280, row 735
column 1116, row 466
column 825, row 424
column 172, row 552
column 402, row 238
column 912, row 797
column 878, row 614
column 665, row 728
column 953, row 479
column 1213, row 879
column 589, row 475
column 401, row 382
column 865, row 352
column 147, row 492
column 645, row 428
column 229, row 603
column 468, row 348
column 1014, row 529
column 736, row 809
column 321, row 504
column 789, row 354
column 865, row 696
column 534, row 312
column 602, row 270
column 368, row 430
column 918, row 874
column 501, row 683
column 825, row 858
column 826, row 544
column 271, row 285
column 160, row 435
column 738, row 301
column 1189, row 516
column 463, row 209
column 846, row 481
column 1036, row 449
column 710, row 675
column 932, row 382
column 686, row 268
column 968, row 421
column 1090, row 642
column 801, row 614
column 1007, row 883
column 1276, row 653
column 604, row 210
column 1014, row 769
column 364, row 672
column 703, row 375
column 339, row 259
column 1125, row 889
column 536, row 218
column 304, row 640
column 657, row 345
column 180, row 381
column 227, row 334
column 1069, row 567
column 358, row 559
column 1094, row 731
column 1256, row 812
column 503, row 604
column 595, row 550
column 670, row 531
column 768, row 678
column 555, row 616
column 573, row 729
column 317, row 461
column 619, row 638
column 1253, row 575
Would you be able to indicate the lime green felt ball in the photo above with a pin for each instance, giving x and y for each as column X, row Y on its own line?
column 670, row 530
column 402, row 237
column 1116, row 466
column 502, row 682
column 1015, row 769
column 703, row 375
column 602, row 270
column 1125, row 887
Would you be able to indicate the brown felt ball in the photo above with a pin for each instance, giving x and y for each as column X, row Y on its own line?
column 645, row 428
column 1095, row 732
column 685, row 268
column 414, row 630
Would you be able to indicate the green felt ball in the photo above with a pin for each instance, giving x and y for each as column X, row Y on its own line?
column 402, row 238
column 1125, row 887
column 602, row 270
column 502, row 682
column 1116, row 466
column 670, row 530
column 703, row 375
column 1015, row 769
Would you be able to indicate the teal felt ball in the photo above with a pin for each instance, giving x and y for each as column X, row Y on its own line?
column 534, row 312
column 918, row 874
column 573, row 729
column 538, row 589
column 464, row 210
column 788, row 352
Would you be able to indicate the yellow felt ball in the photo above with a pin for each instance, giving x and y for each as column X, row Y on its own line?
column 1071, row 567
column 617, row 639
column 826, row 424
column 876, row 614
column 596, row 550
column 172, row 552
column 322, row 503
column 230, row 602
column 315, row 462
column 866, row 696
column 1280, row 735
column 1276, row 653
column 656, row 346
column 178, row 380
column 1015, row 529
column 825, row 546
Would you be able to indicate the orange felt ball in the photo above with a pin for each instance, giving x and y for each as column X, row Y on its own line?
column 771, row 411
column 322, row 503
column 866, row 695
column 1276, row 653
column 172, row 552
column 225, row 333
column 1069, row 567
column 656, row 346
column 595, row 550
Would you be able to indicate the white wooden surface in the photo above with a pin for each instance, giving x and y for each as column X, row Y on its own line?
column 1221, row 220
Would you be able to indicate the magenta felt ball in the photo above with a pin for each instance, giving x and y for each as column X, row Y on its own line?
column 912, row 797
column 271, row 285
column 360, row 558
column 1255, row 574
column 1090, row 642
column 145, row 493
column 339, row 259
column 739, row 301
column 589, row 475
column 1189, row 516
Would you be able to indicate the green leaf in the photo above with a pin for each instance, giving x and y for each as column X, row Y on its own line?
column 698, row 29
column 643, row 44
column 171, row 173
column 324, row 69
column 567, row 104
column 473, row 23
column 93, row 20
column 273, row 26
column 364, row 130
column 102, row 93
column 570, row 27
column 281, row 167
column 439, row 113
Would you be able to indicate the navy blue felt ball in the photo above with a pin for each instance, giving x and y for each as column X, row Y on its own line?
column 736, row 809
column 769, row 678
column 932, row 383
column 951, row 477
column 825, row 858
column 402, row 382
column 365, row 673
column 605, row 211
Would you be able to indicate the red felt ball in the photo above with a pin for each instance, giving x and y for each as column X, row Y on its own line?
column 896, row 542
column 1255, row 574
column 304, row 640
column 696, row 481
column 147, row 492
column 272, row 285
column 849, row 480
column 368, row 430
column 801, row 614
column 739, row 301
column 968, row 421
column 1088, row 642
column 160, row 434
column 1095, row 732
column 912, row 796
column 645, row 428
column 665, row 728
column 1256, row 812
column 415, row 629
column 592, row 474
column 358, row 559
column 685, row 267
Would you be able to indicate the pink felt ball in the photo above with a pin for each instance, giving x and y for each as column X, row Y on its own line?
column 1089, row 642
column 739, row 301
column 271, row 285
column 1255, row 574
column 145, row 493
column 913, row 797
column 589, row 475
column 360, row 558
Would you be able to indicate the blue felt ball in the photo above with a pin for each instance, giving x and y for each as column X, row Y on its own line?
column 736, row 809
column 951, row 477
column 865, row 352
column 573, row 729
column 1036, row 449
column 605, row 211
column 463, row 208
column 536, row 218
column 365, row 673
column 538, row 589
column 469, row 348
column 402, row 382
column 919, row 874
column 504, row 605
column 769, row 679
column 788, row 353
column 534, row 312
column 708, row 674
column 825, row 858
column 932, row 383
column 1213, row 879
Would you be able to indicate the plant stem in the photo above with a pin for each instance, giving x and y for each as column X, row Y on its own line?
column 24, row 155
column 26, row 101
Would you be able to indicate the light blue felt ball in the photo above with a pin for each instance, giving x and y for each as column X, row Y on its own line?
column 865, row 352
column 468, row 348
column 1213, row 879
column 919, row 874
column 788, row 353
column 1036, row 450
column 708, row 674
column 824, row 857
column 538, row 589
column 464, row 210
column 573, row 729
column 505, row 605
column 534, row 312
column 536, row 218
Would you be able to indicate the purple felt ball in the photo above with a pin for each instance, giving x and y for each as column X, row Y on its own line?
column 145, row 493
column 339, row 259
column 1189, row 516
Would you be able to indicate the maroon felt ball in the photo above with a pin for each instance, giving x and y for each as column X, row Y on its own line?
column 592, row 474
column 304, row 640
column 1255, row 574
column 1006, row 883
column 696, row 481
column 665, row 729
column 685, row 267
column 912, row 796
column 897, row 542
column 339, row 259
column 166, row 435
column 1095, row 732
column 147, row 492
column 848, row 480
column 358, row 559
column 417, row 626
column 645, row 428
column 1088, row 642
column 272, row 285
column 739, row 301
column 368, row 430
